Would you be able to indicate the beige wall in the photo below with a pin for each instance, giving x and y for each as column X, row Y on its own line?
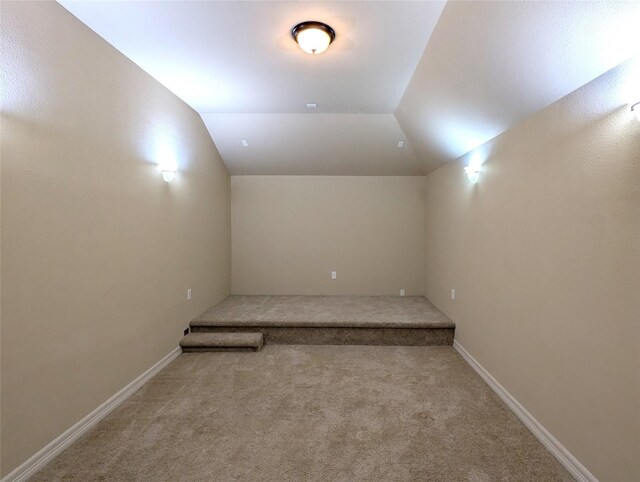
column 290, row 232
column 544, row 254
column 97, row 251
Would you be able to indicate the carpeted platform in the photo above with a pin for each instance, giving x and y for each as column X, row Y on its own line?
column 311, row 413
column 338, row 320
column 354, row 311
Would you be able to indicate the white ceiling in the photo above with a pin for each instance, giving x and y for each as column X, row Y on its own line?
column 313, row 144
column 237, row 56
column 236, row 63
column 486, row 66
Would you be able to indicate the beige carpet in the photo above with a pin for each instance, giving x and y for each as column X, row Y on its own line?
column 311, row 413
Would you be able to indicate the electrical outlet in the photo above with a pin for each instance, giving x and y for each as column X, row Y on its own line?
column 186, row 331
column 453, row 293
column 189, row 294
column 402, row 292
column 334, row 275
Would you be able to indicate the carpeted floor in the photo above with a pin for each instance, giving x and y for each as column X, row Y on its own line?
column 311, row 413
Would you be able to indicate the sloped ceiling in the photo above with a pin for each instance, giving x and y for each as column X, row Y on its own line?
column 491, row 64
column 441, row 78
column 237, row 65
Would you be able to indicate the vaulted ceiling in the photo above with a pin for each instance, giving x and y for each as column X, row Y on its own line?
column 442, row 78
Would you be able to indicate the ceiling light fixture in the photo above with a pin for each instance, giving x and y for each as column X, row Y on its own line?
column 313, row 37
column 635, row 108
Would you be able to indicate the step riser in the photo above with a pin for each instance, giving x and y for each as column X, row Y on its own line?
column 206, row 342
column 202, row 349
column 343, row 336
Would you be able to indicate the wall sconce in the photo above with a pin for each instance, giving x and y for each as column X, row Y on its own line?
column 473, row 173
column 635, row 108
column 168, row 175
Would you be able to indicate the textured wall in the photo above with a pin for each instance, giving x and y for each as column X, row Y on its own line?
column 544, row 253
column 97, row 251
column 290, row 232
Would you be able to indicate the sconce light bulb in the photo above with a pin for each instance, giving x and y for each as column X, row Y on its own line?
column 473, row 173
column 168, row 176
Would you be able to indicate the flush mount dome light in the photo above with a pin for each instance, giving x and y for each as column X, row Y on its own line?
column 313, row 37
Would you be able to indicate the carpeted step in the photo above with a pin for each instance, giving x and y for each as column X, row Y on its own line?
column 194, row 342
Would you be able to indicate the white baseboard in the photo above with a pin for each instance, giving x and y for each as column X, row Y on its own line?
column 54, row 448
column 558, row 450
